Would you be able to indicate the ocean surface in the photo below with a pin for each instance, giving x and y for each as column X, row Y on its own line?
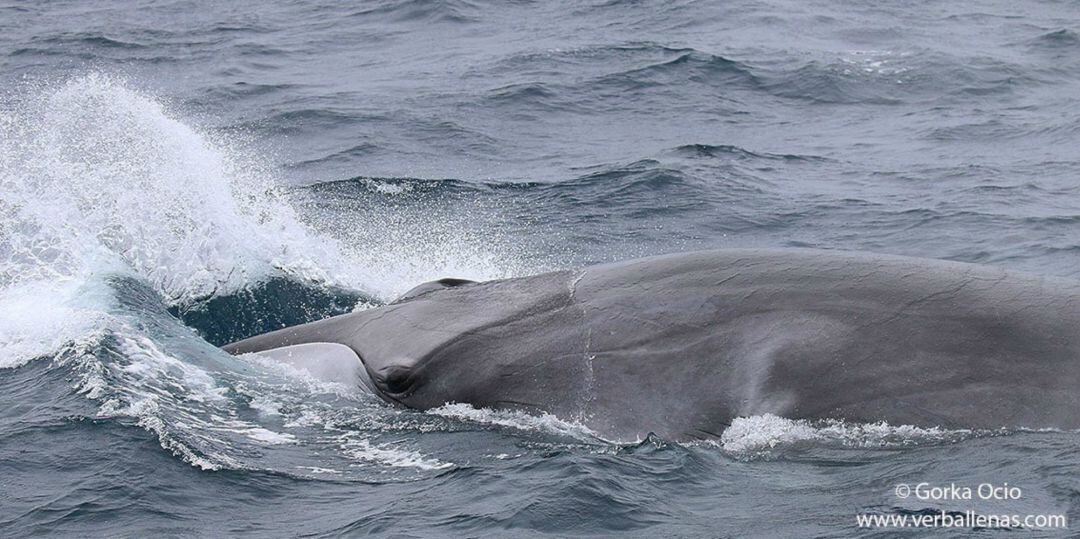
column 178, row 175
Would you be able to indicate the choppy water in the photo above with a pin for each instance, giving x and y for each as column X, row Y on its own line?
column 177, row 175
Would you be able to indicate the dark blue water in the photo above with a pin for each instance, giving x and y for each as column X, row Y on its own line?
column 177, row 175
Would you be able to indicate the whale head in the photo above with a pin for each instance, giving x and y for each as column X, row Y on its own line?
column 503, row 344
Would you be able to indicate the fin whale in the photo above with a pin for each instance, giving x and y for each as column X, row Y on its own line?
column 679, row 345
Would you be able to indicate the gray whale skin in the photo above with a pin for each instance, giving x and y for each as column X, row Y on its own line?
column 679, row 345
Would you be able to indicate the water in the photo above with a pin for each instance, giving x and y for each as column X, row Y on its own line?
column 174, row 176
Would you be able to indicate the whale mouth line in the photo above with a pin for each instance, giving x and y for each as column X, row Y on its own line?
column 366, row 382
column 331, row 362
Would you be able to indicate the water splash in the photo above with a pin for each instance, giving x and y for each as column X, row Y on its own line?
column 401, row 233
column 94, row 165
column 759, row 435
column 98, row 179
column 543, row 423
column 112, row 209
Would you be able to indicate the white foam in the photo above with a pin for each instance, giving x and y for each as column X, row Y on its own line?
column 875, row 63
column 309, row 418
column 150, row 368
column 748, row 435
column 318, row 470
column 41, row 317
column 267, row 436
column 389, row 188
column 265, row 405
column 545, row 423
column 359, row 448
column 173, row 399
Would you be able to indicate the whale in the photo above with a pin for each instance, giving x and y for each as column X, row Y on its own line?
column 680, row 345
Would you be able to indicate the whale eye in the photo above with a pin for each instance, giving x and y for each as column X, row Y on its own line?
column 397, row 380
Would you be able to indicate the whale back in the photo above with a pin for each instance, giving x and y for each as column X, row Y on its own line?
column 679, row 345
column 431, row 286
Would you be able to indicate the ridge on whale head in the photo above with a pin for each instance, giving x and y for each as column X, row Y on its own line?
column 679, row 345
